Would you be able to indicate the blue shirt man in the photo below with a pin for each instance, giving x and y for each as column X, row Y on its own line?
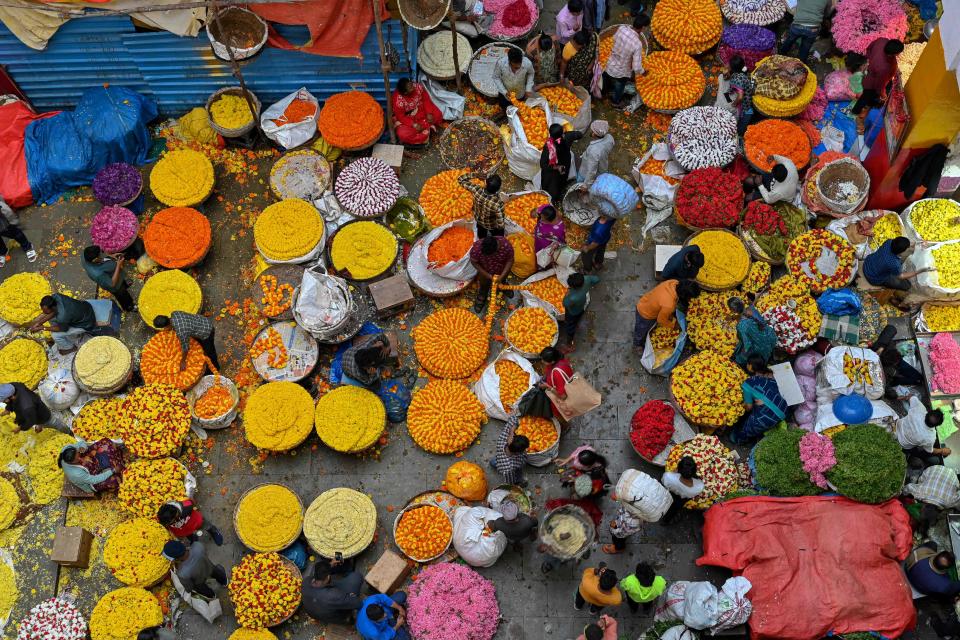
column 884, row 267
column 592, row 251
column 382, row 617
column 927, row 572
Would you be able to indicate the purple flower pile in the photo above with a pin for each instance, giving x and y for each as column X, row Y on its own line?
column 117, row 183
column 748, row 36
column 452, row 602
column 114, row 228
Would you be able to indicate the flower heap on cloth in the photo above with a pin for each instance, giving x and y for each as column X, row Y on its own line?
column 160, row 361
column 364, row 249
column 711, row 324
column 908, row 58
column 278, row 416
column 123, row 613
column 857, row 370
column 133, row 552
column 424, row 532
column 451, row 343
column 215, row 402
column 771, row 227
column 702, row 137
column 886, row 228
column 715, row 465
column 514, row 382
column 277, row 297
column 9, row 504
column 271, row 343
column 520, row 207
column 784, row 107
column 707, row 388
column 753, row 12
column 114, row 229
column 757, row 278
column 23, row 360
column 816, row 455
column 444, row 200
column 792, row 312
column 166, row 292
column 562, row 99
column 264, row 590
column 822, row 258
column 709, row 198
column 288, row 230
column 551, row 291
column 252, row 634
column 182, row 178
column 534, row 121
column 450, row 601
column 367, row 187
column 340, row 520
column 936, row 219
column 452, row 245
column 158, row 418
column 651, row 428
column 351, row 120
column 444, row 417
column 945, row 361
column 53, row 619
column 46, row 477
column 512, row 18
column 177, row 237
column 776, row 137
column 777, row 467
column 102, row 363
column 231, row 111
column 940, row 317
column 690, row 26
column 870, row 464
column 725, row 259
column 118, row 183
column 531, row 329
column 857, row 23
column 100, row 418
column 350, row 419
column 673, row 80
column 20, row 296
column 269, row 518
column 541, row 432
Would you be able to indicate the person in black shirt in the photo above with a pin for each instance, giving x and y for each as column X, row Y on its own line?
column 516, row 526
column 332, row 600
column 28, row 409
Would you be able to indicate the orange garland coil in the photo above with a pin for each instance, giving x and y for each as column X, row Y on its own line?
column 351, row 120
column 177, row 237
column 531, row 329
column 776, row 137
column 452, row 245
column 276, row 298
column 541, row 433
column 451, row 343
column 690, row 26
column 424, row 532
column 271, row 342
column 444, row 200
column 520, row 208
column 160, row 361
column 673, row 80
column 444, row 417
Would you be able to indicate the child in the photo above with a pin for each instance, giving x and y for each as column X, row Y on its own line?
column 643, row 587
column 592, row 252
column 575, row 304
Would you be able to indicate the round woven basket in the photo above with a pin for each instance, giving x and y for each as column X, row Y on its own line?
column 411, row 507
column 236, row 516
column 681, row 433
column 491, row 157
column 125, row 379
column 423, row 14
column 233, row 133
column 430, row 67
column 522, row 36
column 219, row 422
column 734, row 237
column 526, row 354
column 5, row 341
column 836, row 173
column 246, row 33
column 584, row 519
column 131, row 201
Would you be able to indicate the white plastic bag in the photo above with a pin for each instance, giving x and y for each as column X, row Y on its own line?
column 701, row 609
column 523, row 157
column 451, row 104
column 476, row 548
column 734, row 608
column 461, row 269
column 292, row 134
column 642, row 495
column 671, row 604
column 530, row 300
column 929, row 282
column 59, row 390
column 837, row 381
column 209, row 609
column 323, row 302
column 487, row 388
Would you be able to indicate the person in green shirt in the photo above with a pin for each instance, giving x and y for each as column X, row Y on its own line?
column 575, row 304
column 643, row 587
column 107, row 272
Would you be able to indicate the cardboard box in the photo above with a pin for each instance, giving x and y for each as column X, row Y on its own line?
column 391, row 295
column 71, row 547
column 389, row 573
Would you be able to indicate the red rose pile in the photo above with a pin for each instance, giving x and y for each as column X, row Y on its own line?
column 709, row 197
column 762, row 219
column 651, row 428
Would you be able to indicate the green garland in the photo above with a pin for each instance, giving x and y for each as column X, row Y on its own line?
column 743, row 493
column 779, row 469
column 775, row 245
column 870, row 464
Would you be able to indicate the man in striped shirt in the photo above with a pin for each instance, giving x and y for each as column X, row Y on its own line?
column 630, row 44
column 190, row 325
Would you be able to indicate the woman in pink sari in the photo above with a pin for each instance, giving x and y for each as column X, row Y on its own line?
column 414, row 112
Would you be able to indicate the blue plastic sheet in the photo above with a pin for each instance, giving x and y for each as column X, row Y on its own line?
column 840, row 302
column 845, row 122
column 109, row 124
column 928, row 8
column 394, row 392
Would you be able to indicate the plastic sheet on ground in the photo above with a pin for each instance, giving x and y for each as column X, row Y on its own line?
column 15, row 117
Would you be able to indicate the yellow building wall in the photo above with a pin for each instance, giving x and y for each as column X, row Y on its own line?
column 933, row 99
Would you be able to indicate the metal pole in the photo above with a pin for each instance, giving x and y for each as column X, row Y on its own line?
column 385, row 67
column 456, row 53
column 233, row 63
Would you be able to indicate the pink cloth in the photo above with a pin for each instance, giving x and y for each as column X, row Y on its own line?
column 545, row 233
column 568, row 24
column 626, row 58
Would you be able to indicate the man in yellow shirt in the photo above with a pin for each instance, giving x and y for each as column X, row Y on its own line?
column 598, row 587
column 657, row 307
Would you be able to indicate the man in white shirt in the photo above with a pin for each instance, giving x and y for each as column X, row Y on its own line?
column 917, row 433
column 629, row 46
column 513, row 74
column 683, row 484
column 782, row 183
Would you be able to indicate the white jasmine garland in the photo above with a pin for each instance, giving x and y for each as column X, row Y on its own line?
column 703, row 137
column 53, row 619
column 759, row 12
column 367, row 187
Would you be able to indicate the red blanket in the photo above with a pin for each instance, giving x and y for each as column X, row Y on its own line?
column 14, row 186
column 817, row 564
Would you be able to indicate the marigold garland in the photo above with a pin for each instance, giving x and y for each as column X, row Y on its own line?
column 444, row 417
column 177, row 237
column 278, row 416
column 182, row 178
column 215, row 402
column 451, row 343
column 132, row 552
column 424, row 532
column 690, row 26
column 673, row 80
column 726, row 261
column 23, row 360
column 288, row 230
column 166, row 292
column 160, row 361
column 100, row 418
column 9, row 504
column 443, row 198
column 269, row 517
column 158, row 418
column 541, row 432
column 277, row 297
column 715, row 464
column 46, row 476
column 757, row 278
column 531, row 329
column 102, row 363
column 264, row 590
column 534, row 122
column 707, row 388
column 340, row 520
column 562, row 99
column 805, row 250
column 123, row 613
column 364, row 249
column 520, row 208
column 149, row 484
column 776, row 137
column 350, row 419
column 271, row 343
column 20, row 296
column 351, row 120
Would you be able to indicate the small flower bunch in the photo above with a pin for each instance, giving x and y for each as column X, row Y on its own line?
column 264, row 590
column 945, row 360
column 651, row 428
column 757, row 278
column 53, row 619
column 117, row 183
column 860, row 22
column 450, row 601
column 709, row 197
column 817, row 456
column 703, row 137
column 444, row 417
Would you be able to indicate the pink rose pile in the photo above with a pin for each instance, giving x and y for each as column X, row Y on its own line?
column 114, row 228
column 945, row 359
column 452, row 602
column 53, row 619
column 512, row 18
column 860, row 22
column 816, row 454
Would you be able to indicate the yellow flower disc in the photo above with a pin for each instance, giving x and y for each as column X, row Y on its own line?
column 269, row 518
column 166, row 292
column 132, row 552
column 350, row 419
column 531, row 329
column 20, row 296
column 265, row 589
column 451, row 343
column 444, row 417
column 46, row 478
column 725, row 259
column 707, row 388
column 288, row 229
column 123, row 613
column 102, row 363
column 791, row 291
column 23, row 361
column 365, row 249
column 787, row 108
column 278, row 416
column 9, row 503
column 8, row 590
column 148, row 484
column 182, row 178
column 252, row 634
column 341, row 520
column 230, row 111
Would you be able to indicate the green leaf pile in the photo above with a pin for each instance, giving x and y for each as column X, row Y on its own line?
column 779, row 469
column 870, row 464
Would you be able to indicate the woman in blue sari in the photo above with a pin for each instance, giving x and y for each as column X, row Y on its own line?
column 762, row 400
column 755, row 336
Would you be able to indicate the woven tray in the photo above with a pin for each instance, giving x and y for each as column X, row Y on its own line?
column 482, row 62
column 423, row 14
column 522, row 36
column 236, row 514
column 582, row 517
column 302, row 360
column 492, row 157
column 233, row 133
column 300, row 174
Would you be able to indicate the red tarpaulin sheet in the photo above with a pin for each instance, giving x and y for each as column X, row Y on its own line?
column 14, row 185
column 337, row 27
column 817, row 564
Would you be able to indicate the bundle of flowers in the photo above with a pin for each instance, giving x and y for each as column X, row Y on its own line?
column 651, row 428
column 277, row 297
column 514, row 382
column 709, row 197
column 288, row 230
column 711, row 324
column 725, row 259
column 551, row 291
column 690, row 26
column 182, row 178
column 123, row 613
column 792, row 311
column 102, row 363
column 452, row 245
column 452, row 602
column 908, row 58
column 117, row 183
column 776, row 137
column 751, row 42
column 299, row 110
column 166, row 292
column 541, row 433
column 792, row 335
column 215, row 402
column 520, row 208
column 444, row 417
column 786, row 108
column 772, row 227
column 20, row 296
column 707, row 387
column 367, row 187
column 53, row 619
column 264, row 590
column 857, row 23
column 424, row 532
column 753, row 12
column 132, row 552
column 451, row 343
column 23, row 360
column 805, row 254
column 870, row 464
column 779, row 469
column 351, row 120
column 363, row 249
column 158, row 418
column 703, row 137
column 562, row 100
column 444, row 200
column 664, row 337
column 936, row 219
column 271, row 343
column 817, row 457
column 673, row 80
column 817, row 107
column 278, row 416
column 341, row 520
column 231, row 111
column 512, row 18
column 160, row 361
column 534, row 121
column 531, row 329
column 939, row 317
column 945, row 361
column 114, row 228
column 715, row 465
column 269, row 517
column 757, row 278
column 350, row 419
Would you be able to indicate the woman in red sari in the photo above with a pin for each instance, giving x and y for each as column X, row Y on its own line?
column 556, row 375
column 414, row 112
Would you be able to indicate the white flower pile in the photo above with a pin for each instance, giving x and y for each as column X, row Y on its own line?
column 53, row 619
column 703, row 137
column 759, row 12
column 367, row 187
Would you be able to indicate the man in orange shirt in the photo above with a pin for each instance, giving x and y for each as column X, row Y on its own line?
column 658, row 307
column 599, row 588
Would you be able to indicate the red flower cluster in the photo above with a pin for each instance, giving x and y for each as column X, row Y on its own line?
column 763, row 219
column 709, row 197
column 651, row 428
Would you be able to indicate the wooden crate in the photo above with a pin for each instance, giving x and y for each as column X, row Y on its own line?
column 391, row 295
column 71, row 547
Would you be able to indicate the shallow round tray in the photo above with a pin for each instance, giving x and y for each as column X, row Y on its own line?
column 236, row 515
column 444, row 144
column 464, row 64
column 480, row 70
column 302, row 349
column 525, row 34
column 300, row 174
column 425, row 280
column 579, row 514
column 285, row 274
column 526, row 354
column 421, row 505
column 329, row 250
column 353, row 324
column 703, row 426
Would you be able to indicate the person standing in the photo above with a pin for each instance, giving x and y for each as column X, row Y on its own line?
column 596, row 157
column 683, row 484
column 658, row 307
column 383, row 617
column 487, row 204
column 190, row 325
column 10, row 228
column 575, row 304
column 593, row 250
column 555, row 161
column 881, row 69
column 415, row 113
column 194, row 568
column 603, row 629
column 598, row 588
column 742, row 88
column 569, row 20
column 643, row 587
column 630, row 44
column 492, row 257
column 805, row 28
column 107, row 273
column 578, row 58
column 511, row 453
column 184, row 520
column 70, row 320
column 513, row 74
column 623, row 525
column 549, row 230
column 331, row 593
column 544, row 52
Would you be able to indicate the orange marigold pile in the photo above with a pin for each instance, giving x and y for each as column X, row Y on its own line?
column 424, row 532
column 451, row 343
column 452, row 245
column 673, row 80
column 531, row 329
column 351, row 120
column 550, row 290
column 690, row 26
column 214, row 402
column 444, row 417
column 776, row 137
column 541, row 432
column 160, row 361
column 514, row 382
column 534, row 121
column 562, row 99
column 519, row 209
column 271, row 342
column 444, row 200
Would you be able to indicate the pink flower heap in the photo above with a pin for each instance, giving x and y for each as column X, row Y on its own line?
column 452, row 602
column 945, row 358
column 816, row 454
column 860, row 22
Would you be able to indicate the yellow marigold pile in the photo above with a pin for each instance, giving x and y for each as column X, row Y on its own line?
column 550, row 290
column 514, row 382
column 231, row 111
column 158, row 420
column 166, row 292
column 444, row 200
column 707, row 388
column 100, row 418
column 251, row 634
column 20, row 296
column 46, row 477
column 350, row 419
column 182, row 178
column 424, row 532
column 264, row 590
column 288, row 229
column 726, row 261
column 365, row 249
column 102, row 363
column 160, row 361
column 23, row 361
column 673, row 80
column 541, row 432
column 662, row 337
column 451, row 343
column 534, row 121
column 787, row 108
column 520, row 208
column 269, row 518
column 690, row 26
column 886, row 228
column 711, row 325
column 278, row 416
column 123, row 613
column 561, row 99
column 786, row 288
column 149, row 484
column 946, row 259
column 936, row 219
column 444, row 417
column 757, row 278
column 132, row 552
column 531, row 329
column 939, row 317
column 9, row 504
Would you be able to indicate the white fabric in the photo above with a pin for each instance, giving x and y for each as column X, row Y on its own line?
column 642, row 495
column 474, row 546
column 596, row 158
column 451, row 104
column 487, row 388
column 912, row 431
column 672, row 481
column 784, row 191
column 506, row 79
column 702, row 607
